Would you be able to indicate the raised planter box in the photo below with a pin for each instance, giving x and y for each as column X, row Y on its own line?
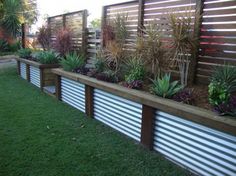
column 192, row 137
column 38, row 74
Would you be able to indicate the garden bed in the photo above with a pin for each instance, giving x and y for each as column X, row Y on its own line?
column 36, row 73
column 193, row 137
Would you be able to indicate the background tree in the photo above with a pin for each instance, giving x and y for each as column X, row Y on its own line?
column 96, row 23
column 15, row 12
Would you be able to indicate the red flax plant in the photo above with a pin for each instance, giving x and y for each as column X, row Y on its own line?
column 44, row 37
column 63, row 43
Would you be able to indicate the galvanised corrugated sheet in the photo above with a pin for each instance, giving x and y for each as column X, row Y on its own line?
column 73, row 93
column 35, row 76
column 199, row 148
column 118, row 113
column 23, row 70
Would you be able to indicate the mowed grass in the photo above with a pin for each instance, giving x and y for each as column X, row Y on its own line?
column 40, row 136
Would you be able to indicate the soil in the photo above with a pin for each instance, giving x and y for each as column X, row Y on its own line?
column 201, row 96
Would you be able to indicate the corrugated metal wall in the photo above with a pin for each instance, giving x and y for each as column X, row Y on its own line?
column 23, row 70
column 199, row 148
column 35, row 76
column 118, row 113
column 73, row 93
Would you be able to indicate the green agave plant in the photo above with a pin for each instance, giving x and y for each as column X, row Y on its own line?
column 164, row 87
column 72, row 61
column 47, row 57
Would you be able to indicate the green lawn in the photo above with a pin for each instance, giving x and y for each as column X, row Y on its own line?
column 40, row 136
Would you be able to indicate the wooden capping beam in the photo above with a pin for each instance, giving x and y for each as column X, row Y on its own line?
column 58, row 87
column 18, row 67
column 197, row 31
column 28, row 72
column 147, row 126
column 188, row 112
column 140, row 15
column 89, row 100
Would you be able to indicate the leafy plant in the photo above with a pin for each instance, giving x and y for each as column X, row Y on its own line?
column 72, row 61
column 120, row 28
column 48, row 57
column 164, row 87
column 136, row 69
column 185, row 96
column 228, row 108
column 183, row 44
column 44, row 37
column 218, row 93
column 25, row 53
column 100, row 65
column 225, row 74
column 63, row 43
column 82, row 70
column 4, row 46
column 108, row 34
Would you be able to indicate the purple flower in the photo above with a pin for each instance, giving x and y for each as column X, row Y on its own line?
column 227, row 108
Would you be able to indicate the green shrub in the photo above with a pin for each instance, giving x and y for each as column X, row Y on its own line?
column 100, row 65
column 25, row 53
column 47, row 57
column 164, row 87
column 15, row 46
column 225, row 75
column 135, row 70
column 4, row 45
column 72, row 61
column 218, row 93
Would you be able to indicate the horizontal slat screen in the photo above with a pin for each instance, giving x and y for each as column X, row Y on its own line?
column 129, row 9
column 218, row 37
column 72, row 21
column 35, row 76
column 201, row 149
column 118, row 113
column 73, row 93
column 23, row 70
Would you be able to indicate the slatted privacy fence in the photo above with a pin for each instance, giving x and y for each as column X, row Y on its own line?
column 73, row 93
column 76, row 22
column 118, row 113
column 35, row 76
column 23, row 70
column 93, row 45
column 218, row 37
column 216, row 29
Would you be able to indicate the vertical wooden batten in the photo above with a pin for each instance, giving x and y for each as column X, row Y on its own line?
column 84, row 32
column 140, row 15
column 18, row 67
column 41, row 79
column 58, row 87
column 103, row 23
column 197, row 31
column 89, row 100
column 147, row 126
column 28, row 72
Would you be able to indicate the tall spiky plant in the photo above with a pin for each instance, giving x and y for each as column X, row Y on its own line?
column 183, row 43
column 150, row 47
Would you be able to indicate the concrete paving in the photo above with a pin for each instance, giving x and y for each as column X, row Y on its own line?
column 7, row 61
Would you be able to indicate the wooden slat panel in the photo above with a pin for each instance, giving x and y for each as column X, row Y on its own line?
column 220, row 4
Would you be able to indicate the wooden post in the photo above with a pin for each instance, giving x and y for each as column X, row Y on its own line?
column 28, row 72
column 23, row 39
column 140, row 15
column 41, row 78
column 89, row 100
column 147, row 127
column 58, row 87
column 18, row 67
column 103, row 23
column 197, row 31
column 84, row 32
